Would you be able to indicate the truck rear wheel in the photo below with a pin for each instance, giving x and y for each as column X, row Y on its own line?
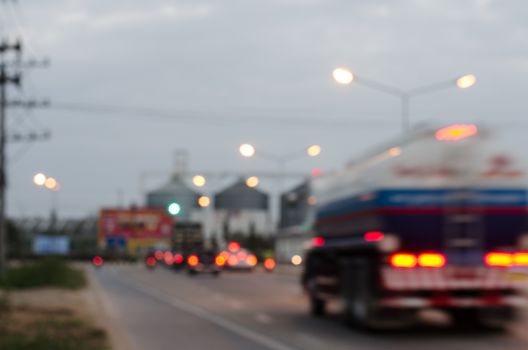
column 358, row 294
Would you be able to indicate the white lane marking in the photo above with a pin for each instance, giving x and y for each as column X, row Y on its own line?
column 212, row 318
column 263, row 318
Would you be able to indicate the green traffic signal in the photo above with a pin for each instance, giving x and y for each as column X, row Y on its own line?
column 174, row 208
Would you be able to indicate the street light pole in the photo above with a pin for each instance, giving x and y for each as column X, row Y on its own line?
column 345, row 77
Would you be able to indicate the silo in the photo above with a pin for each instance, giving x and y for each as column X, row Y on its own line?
column 239, row 196
column 175, row 191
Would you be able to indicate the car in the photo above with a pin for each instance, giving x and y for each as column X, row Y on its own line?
column 237, row 258
column 204, row 261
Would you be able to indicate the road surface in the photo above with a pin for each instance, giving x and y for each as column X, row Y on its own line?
column 162, row 309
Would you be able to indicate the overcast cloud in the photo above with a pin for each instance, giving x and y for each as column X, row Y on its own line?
column 236, row 61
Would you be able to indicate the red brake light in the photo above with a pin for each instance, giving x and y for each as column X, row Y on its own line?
column 431, row 260
column 220, row 260
column 403, row 260
column 520, row 259
column 499, row 259
column 158, row 255
column 269, row 264
column 151, row 261
column 193, row 260
column 373, row 236
column 97, row 260
column 233, row 247
column 318, row 242
column 178, row 258
column 251, row 260
column 232, row 260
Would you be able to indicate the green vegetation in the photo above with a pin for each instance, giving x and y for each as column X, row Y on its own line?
column 27, row 329
column 44, row 273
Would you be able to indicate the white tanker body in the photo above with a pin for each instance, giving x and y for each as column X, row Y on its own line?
column 438, row 220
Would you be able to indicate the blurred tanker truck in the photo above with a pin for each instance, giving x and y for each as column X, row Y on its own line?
column 436, row 220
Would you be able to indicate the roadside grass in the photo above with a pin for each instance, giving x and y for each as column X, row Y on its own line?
column 44, row 273
column 48, row 329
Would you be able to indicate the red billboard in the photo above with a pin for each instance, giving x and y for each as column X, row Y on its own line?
column 134, row 223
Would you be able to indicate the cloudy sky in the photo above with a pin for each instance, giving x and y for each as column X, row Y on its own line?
column 206, row 75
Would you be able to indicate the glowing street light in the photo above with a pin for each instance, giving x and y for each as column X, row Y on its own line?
column 204, row 201
column 466, row 81
column 252, row 181
column 174, row 208
column 247, row 150
column 199, row 180
column 313, row 150
column 39, row 179
column 345, row 76
column 51, row 183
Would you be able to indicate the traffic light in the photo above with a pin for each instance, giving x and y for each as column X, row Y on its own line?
column 174, row 208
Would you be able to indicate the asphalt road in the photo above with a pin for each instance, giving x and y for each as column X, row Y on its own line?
column 162, row 309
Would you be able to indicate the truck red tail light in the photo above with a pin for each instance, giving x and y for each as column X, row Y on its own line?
column 520, row 259
column 193, row 260
column 403, row 260
column 431, row 260
column 505, row 259
column 318, row 242
column 373, row 236
column 498, row 259
column 409, row 261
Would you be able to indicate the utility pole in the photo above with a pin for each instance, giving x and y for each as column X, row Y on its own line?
column 5, row 78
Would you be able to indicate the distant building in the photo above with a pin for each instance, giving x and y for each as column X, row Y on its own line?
column 296, row 219
column 241, row 209
column 176, row 191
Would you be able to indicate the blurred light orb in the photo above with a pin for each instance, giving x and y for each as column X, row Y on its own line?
column 199, row 180
column 174, row 209
column 50, row 183
column 343, row 76
column 204, row 201
column 394, row 151
column 296, row 260
column 314, row 150
column 466, row 81
column 312, row 200
column 39, row 179
column 316, row 172
column 247, row 150
column 252, row 181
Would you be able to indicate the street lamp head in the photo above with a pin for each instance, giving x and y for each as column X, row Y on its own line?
column 313, row 150
column 252, row 181
column 247, row 150
column 39, row 179
column 343, row 76
column 204, row 201
column 466, row 81
column 199, row 180
column 50, row 183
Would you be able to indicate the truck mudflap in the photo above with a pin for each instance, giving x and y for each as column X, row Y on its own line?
column 453, row 278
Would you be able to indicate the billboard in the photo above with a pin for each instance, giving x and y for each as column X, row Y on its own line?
column 51, row 245
column 133, row 229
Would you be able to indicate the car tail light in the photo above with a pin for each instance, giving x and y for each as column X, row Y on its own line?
column 193, row 260
column 403, row 260
column 318, row 242
column 233, row 247
column 520, row 259
column 373, row 236
column 242, row 256
column 269, row 264
column 220, row 260
column 498, row 259
column 151, row 261
column 431, row 260
column 97, row 260
column 178, row 258
column 158, row 254
column 251, row 260
column 232, row 261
